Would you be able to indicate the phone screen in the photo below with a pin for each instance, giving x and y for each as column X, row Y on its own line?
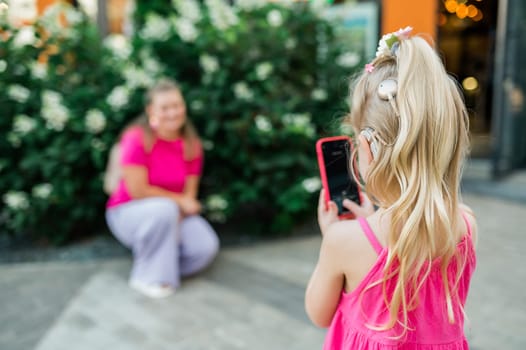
column 336, row 157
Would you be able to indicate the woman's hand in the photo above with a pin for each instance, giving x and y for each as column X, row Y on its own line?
column 189, row 205
column 364, row 210
column 327, row 213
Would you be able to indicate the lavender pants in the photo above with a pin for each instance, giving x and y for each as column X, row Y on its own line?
column 165, row 247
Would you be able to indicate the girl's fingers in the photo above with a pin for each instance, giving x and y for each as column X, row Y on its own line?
column 333, row 208
column 322, row 205
column 352, row 206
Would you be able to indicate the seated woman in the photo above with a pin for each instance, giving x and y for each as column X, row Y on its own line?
column 154, row 209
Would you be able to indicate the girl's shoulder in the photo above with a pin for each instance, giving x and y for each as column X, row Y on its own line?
column 347, row 237
column 471, row 219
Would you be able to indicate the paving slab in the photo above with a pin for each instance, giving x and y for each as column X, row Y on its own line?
column 202, row 315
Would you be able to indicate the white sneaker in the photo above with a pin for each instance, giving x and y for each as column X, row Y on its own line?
column 154, row 291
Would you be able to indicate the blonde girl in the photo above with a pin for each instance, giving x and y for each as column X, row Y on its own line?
column 398, row 278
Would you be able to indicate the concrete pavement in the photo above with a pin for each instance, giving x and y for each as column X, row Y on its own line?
column 251, row 298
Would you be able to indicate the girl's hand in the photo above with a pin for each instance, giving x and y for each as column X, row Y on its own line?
column 364, row 210
column 327, row 213
column 189, row 206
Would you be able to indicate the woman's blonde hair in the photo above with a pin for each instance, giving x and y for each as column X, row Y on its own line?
column 190, row 136
column 421, row 142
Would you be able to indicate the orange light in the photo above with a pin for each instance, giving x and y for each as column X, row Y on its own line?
column 478, row 17
column 462, row 11
column 472, row 11
column 451, row 6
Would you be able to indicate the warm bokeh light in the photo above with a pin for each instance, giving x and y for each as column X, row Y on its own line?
column 462, row 11
column 451, row 6
column 472, row 11
column 470, row 84
column 478, row 17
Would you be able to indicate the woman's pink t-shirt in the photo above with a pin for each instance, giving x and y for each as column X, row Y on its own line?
column 166, row 165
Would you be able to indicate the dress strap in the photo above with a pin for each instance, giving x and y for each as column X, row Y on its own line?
column 370, row 235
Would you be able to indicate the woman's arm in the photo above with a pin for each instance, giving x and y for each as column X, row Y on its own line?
column 191, row 187
column 136, row 180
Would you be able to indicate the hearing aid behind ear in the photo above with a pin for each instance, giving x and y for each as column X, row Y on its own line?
column 368, row 134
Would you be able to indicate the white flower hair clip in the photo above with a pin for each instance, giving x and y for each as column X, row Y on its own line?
column 389, row 43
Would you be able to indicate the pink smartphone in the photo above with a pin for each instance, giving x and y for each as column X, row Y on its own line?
column 334, row 157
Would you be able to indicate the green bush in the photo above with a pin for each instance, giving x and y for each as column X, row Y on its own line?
column 262, row 83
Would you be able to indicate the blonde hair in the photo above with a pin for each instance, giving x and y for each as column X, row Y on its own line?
column 415, row 174
column 190, row 136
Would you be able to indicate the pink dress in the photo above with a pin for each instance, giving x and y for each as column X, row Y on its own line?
column 166, row 165
column 430, row 328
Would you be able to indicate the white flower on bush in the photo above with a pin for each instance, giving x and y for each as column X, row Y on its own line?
column 119, row 45
column 348, row 59
column 208, row 145
column 275, row 18
column 209, row 63
column 118, row 97
column 299, row 123
column 216, row 202
column 242, row 91
column 150, row 64
column 38, row 70
column 23, row 124
column 18, row 93
column 155, row 28
column 249, row 5
column 263, row 70
column 42, row 191
column 185, row 28
column 197, row 105
column 290, row 44
column 95, row 121
column 136, row 77
column 3, row 66
column 312, row 184
column 24, row 37
column 221, row 14
column 16, row 200
column 317, row 6
column 188, row 9
column 319, row 94
column 263, row 123
column 53, row 111
column 217, row 217
column 73, row 16
column 50, row 18
column 98, row 145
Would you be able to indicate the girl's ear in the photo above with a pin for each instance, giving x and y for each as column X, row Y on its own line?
column 365, row 149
